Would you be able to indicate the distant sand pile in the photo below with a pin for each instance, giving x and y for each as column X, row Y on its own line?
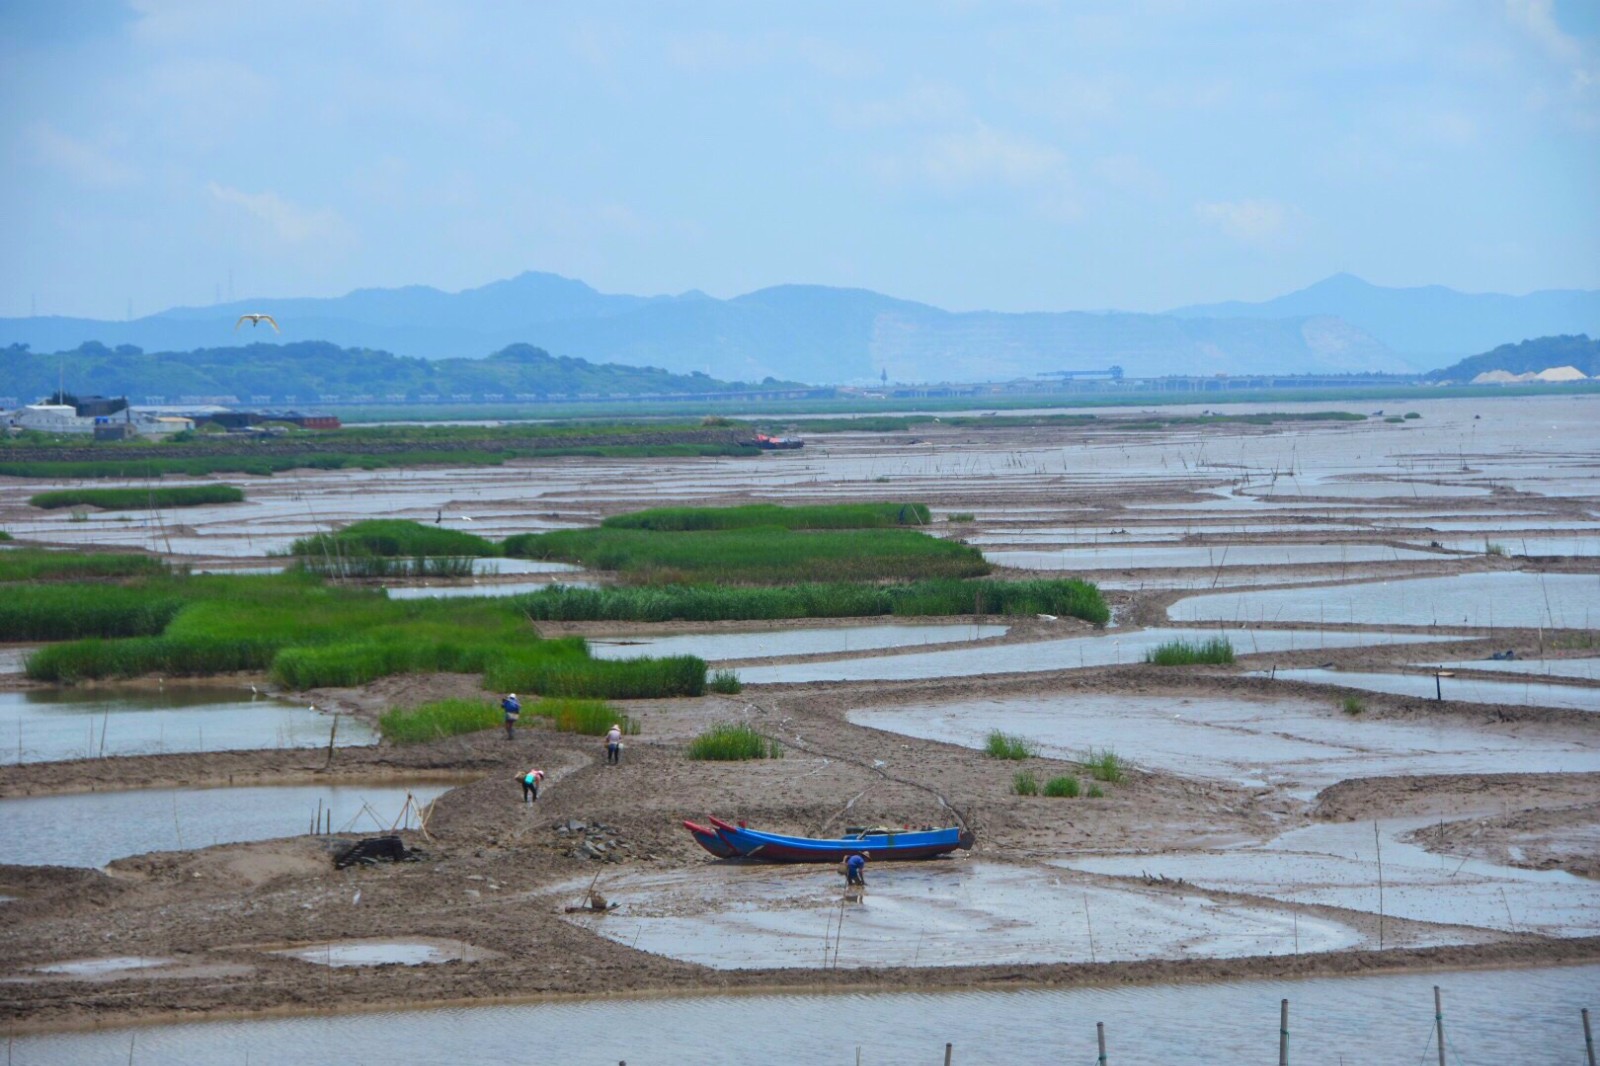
column 1557, row 373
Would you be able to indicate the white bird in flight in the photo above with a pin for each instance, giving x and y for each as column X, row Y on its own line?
column 256, row 320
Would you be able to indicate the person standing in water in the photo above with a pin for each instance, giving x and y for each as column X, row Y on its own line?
column 614, row 744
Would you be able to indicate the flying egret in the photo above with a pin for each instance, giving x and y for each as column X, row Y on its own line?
column 256, row 320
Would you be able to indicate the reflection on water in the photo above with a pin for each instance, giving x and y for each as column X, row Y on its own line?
column 1524, row 1015
column 91, row 829
column 715, row 647
column 53, row 724
column 1524, row 600
column 1066, row 654
column 1295, row 744
column 1466, row 689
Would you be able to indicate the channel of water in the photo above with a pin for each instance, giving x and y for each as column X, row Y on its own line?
column 718, row 647
column 92, row 828
column 1467, row 689
column 48, row 725
column 1521, row 1015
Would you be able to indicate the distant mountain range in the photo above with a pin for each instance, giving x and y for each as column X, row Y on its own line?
column 827, row 335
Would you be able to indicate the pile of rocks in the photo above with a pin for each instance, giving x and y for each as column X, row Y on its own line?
column 593, row 840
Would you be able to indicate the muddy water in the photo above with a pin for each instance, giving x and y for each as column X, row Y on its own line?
column 340, row 953
column 93, row 828
column 1298, row 745
column 47, row 725
column 1338, row 865
column 1467, row 689
column 1585, row 669
column 1527, row 1015
column 718, row 647
column 938, row 913
column 1064, row 654
column 1522, row 600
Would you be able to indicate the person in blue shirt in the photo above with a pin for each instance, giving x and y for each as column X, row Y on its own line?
column 513, row 710
column 855, row 870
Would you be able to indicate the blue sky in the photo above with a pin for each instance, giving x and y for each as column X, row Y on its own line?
column 1014, row 156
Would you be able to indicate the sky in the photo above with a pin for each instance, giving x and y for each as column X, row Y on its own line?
column 1014, row 156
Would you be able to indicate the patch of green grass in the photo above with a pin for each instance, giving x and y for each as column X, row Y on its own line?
column 385, row 566
column 1095, row 792
column 38, row 564
column 4, row 535
column 391, row 537
column 443, row 718
column 146, row 499
column 821, row 516
column 1491, row 548
column 765, row 555
column 1103, row 764
column 623, row 679
column 1062, row 787
column 70, row 611
column 998, row 745
column 1353, row 705
column 1216, row 651
column 590, row 718
column 1023, row 783
column 705, row 603
column 726, row 682
column 726, row 742
column 960, row 516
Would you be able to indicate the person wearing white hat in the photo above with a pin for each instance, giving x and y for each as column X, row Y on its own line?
column 513, row 710
column 614, row 744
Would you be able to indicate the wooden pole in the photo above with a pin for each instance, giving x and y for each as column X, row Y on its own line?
column 334, row 732
column 1438, row 1021
column 1283, row 1033
column 1100, row 1034
column 1378, row 843
column 1588, row 1036
column 947, row 1055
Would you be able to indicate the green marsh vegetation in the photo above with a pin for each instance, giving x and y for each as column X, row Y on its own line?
column 707, row 603
column 1353, row 705
column 1024, row 783
column 39, row 564
column 1064, row 787
column 999, row 745
column 445, row 718
column 390, row 537
column 1104, row 764
column 141, row 499
column 759, row 555
column 725, row 682
column 726, row 742
column 307, row 634
column 825, row 516
column 1217, row 651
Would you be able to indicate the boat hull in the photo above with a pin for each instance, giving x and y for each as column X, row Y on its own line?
column 891, row 846
column 711, row 841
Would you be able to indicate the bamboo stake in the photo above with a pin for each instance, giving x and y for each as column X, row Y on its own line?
column 947, row 1055
column 1588, row 1036
column 334, row 732
column 1283, row 1033
column 1438, row 1021
column 1100, row 1034
column 1378, row 843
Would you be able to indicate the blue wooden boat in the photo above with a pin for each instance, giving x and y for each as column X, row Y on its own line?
column 890, row 844
column 710, row 840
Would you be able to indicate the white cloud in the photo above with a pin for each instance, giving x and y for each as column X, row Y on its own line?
column 987, row 156
column 1257, row 222
column 1537, row 18
column 86, row 162
column 287, row 222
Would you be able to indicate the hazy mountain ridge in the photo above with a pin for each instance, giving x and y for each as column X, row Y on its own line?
column 1427, row 324
column 1528, row 357
column 825, row 335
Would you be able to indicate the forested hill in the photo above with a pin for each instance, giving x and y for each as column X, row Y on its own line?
column 1528, row 357
column 303, row 371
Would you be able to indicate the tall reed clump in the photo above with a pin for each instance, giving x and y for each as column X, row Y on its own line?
column 590, row 718
column 1000, row 745
column 708, row 603
column 385, row 566
column 74, row 611
column 624, row 679
column 392, row 537
column 725, row 682
column 726, row 742
column 1024, row 783
column 442, row 718
column 1103, row 764
column 821, row 516
column 145, row 499
column 1064, row 787
column 1217, row 651
column 38, row 564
